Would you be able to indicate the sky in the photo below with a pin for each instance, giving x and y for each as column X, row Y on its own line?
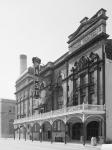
column 39, row 28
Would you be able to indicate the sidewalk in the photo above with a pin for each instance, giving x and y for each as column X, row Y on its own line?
column 47, row 145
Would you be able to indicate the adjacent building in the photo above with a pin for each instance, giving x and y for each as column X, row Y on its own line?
column 70, row 99
column 7, row 116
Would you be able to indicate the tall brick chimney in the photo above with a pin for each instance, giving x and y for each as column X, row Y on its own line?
column 23, row 63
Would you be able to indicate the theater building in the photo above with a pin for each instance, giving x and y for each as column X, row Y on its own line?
column 69, row 100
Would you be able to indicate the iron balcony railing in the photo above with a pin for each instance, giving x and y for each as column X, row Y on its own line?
column 84, row 108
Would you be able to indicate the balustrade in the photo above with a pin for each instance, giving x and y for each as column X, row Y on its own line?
column 61, row 112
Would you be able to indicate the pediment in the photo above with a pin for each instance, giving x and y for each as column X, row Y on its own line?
column 86, row 24
column 82, row 28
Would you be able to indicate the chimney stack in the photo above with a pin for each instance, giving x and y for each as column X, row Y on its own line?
column 23, row 63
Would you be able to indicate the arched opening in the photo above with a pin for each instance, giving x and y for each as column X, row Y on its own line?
column 16, row 130
column 58, row 131
column 11, row 128
column 76, row 131
column 22, row 132
column 92, row 129
column 46, row 131
column 36, row 131
column 28, row 132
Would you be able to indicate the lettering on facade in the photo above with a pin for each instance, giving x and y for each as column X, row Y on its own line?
column 36, row 62
column 88, row 37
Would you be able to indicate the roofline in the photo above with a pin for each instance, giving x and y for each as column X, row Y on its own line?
column 7, row 100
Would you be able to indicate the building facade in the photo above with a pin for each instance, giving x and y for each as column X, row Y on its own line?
column 7, row 116
column 70, row 99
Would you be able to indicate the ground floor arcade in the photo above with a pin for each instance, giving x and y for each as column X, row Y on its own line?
column 64, row 129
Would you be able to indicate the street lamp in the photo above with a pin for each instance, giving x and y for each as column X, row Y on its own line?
column 40, row 135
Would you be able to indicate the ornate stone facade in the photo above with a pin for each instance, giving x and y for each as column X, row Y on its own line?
column 66, row 100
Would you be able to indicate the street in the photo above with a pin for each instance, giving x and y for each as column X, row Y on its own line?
column 10, row 144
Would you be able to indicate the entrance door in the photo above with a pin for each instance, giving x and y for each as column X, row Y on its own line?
column 76, row 131
column 92, row 130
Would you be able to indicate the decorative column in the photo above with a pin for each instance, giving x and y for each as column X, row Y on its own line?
column 17, row 109
column 25, row 134
column 14, row 133
column 67, row 87
column 83, row 120
column 20, row 107
column 19, row 133
column 32, row 102
column 28, row 101
column 73, row 84
column 88, row 86
column 32, row 134
column 51, row 134
column 86, row 76
column 65, row 133
column 98, row 81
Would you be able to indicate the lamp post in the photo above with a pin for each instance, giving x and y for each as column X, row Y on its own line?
column 65, row 133
column 40, row 135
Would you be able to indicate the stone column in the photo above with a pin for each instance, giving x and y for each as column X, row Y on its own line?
column 65, row 133
column 51, row 134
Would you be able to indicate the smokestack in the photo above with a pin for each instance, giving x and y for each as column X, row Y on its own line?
column 23, row 63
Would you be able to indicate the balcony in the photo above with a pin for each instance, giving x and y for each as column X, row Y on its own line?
column 84, row 108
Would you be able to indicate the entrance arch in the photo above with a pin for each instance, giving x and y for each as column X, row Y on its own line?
column 22, row 132
column 16, row 130
column 28, row 131
column 46, row 131
column 74, row 128
column 58, row 133
column 76, row 131
column 92, row 129
column 36, row 131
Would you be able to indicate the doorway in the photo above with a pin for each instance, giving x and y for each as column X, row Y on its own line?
column 76, row 131
column 92, row 130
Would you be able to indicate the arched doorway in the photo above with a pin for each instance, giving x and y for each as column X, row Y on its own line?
column 36, row 132
column 28, row 132
column 92, row 129
column 58, row 131
column 46, row 131
column 16, row 130
column 76, row 131
column 74, row 128
column 22, row 132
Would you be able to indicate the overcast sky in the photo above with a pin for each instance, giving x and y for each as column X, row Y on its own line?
column 39, row 28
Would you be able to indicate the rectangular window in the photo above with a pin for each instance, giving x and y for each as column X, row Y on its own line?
column 82, row 99
column 91, row 76
column 57, row 126
column 83, row 79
